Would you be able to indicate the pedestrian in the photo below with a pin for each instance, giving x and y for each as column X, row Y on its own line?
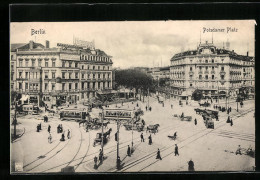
column 150, row 139
column 61, row 128
column 40, row 126
column 195, row 121
column 146, row 108
column 68, row 135
column 171, row 106
column 128, row 151
column 95, row 161
column 49, row 138
column 182, row 115
column 176, row 152
column 231, row 122
column 150, row 108
column 37, row 128
column 49, row 128
column 62, row 137
column 191, row 165
column 158, row 155
column 142, row 137
column 58, row 129
column 238, row 150
column 137, row 105
column 217, row 118
column 100, row 156
column 228, row 119
column 175, row 135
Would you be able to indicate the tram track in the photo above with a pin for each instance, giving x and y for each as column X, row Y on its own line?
column 152, row 155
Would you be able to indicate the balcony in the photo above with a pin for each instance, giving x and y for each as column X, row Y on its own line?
column 222, row 72
column 200, row 72
column 206, row 72
column 191, row 73
column 213, row 72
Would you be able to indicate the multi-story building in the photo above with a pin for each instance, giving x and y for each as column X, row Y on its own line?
column 159, row 72
column 68, row 72
column 213, row 71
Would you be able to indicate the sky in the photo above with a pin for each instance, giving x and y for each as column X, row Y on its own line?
column 141, row 43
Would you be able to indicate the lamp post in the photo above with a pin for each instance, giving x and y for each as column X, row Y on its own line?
column 132, row 149
column 102, row 136
column 117, row 159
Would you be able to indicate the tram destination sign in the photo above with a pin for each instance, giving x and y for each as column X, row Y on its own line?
column 118, row 113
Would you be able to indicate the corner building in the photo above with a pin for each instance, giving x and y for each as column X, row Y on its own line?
column 215, row 72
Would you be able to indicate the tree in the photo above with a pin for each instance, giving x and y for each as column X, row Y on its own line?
column 197, row 95
column 132, row 78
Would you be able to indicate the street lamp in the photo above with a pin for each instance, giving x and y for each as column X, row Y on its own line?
column 118, row 158
column 102, row 136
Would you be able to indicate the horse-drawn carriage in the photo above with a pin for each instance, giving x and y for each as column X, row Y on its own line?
column 183, row 118
column 209, row 123
column 152, row 128
column 98, row 138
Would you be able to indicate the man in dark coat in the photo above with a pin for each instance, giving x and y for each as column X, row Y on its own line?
column 150, row 139
column 176, row 151
column 95, row 162
column 142, row 137
column 191, row 165
column 49, row 128
column 158, row 155
column 195, row 121
column 231, row 122
column 146, row 108
column 128, row 151
column 40, row 126
column 228, row 119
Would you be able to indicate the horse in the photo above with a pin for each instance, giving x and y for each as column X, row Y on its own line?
column 108, row 132
column 153, row 128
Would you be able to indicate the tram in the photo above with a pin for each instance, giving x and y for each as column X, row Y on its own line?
column 73, row 114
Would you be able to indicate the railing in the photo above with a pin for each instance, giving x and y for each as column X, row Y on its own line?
column 206, row 72
column 222, row 72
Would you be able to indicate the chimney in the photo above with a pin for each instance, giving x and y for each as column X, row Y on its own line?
column 247, row 53
column 47, row 44
column 31, row 45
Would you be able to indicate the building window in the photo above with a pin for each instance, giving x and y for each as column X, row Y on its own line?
column 190, row 85
column 213, row 77
column 222, row 77
column 39, row 62
column 88, row 76
column 69, row 86
column 98, row 68
column 26, row 63
column 206, row 77
column 26, row 85
column 222, row 68
column 46, row 63
column 82, row 76
column 20, row 75
column 88, row 85
column 98, row 85
column 108, row 75
column 76, row 65
column 63, row 63
column 20, row 85
column 53, row 63
column 21, row 63
column 82, row 67
column 94, row 76
column 70, row 75
column 82, row 85
column 63, row 75
column 63, row 86
column 103, row 67
column 98, row 75
column 12, row 76
column 206, row 61
column 108, row 67
column 53, row 75
column 93, row 67
column 88, row 66
column 212, row 60
column 70, row 63
column 76, row 75
column 26, row 75
column 46, row 86
column 190, row 68
column 76, row 85
column 46, row 75
column 53, row 87
column 33, row 63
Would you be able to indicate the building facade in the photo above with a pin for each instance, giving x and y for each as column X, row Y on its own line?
column 215, row 72
column 68, row 73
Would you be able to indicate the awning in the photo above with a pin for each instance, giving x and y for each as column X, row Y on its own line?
column 24, row 98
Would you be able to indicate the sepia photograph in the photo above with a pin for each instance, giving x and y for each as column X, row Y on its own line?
column 132, row 96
